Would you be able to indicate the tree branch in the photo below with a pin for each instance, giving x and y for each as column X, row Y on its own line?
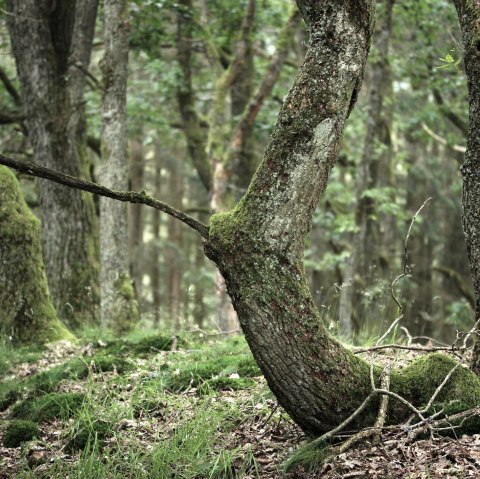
column 10, row 87
column 126, row 196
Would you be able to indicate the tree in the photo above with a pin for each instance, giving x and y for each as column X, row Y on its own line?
column 51, row 42
column 258, row 246
column 469, row 18
column 27, row 313
column 118, row 307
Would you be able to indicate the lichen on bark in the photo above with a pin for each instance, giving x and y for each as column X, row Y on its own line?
column 26, row 310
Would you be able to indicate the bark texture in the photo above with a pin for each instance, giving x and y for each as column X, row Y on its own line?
column 469, row 17
column 118, row 305
column 27, row 314
column 259, row 245
column 51, row 42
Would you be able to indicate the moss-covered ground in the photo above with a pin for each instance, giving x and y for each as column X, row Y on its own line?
column 135, row 408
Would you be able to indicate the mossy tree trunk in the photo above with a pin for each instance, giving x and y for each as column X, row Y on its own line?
column 259, row 245
column 51, row 42
column 118, row 305
column 27, row 314
column 469, row 17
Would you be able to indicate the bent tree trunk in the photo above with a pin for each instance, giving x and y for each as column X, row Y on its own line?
column 259, row 246
column 469, row 17
column 27, row 314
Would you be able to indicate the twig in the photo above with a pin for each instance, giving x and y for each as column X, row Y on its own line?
column 425, row 349
column 125, row 196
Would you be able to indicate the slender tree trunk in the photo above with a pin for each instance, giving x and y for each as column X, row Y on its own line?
column 156, row 222
column 469, row 17
column 118, row 305
column 135, row 219
column 365, row 264
column 51, row 43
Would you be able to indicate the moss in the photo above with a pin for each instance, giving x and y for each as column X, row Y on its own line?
column 28, row 314
column 89, row 432
column 45, row 408
column 9, row 397
column 214, row 373
column 423, row 376
column 226, row 383
column 125, row 312
column 148, row 345
column 20, row 431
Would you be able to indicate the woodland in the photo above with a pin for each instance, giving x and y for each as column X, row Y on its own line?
column 239, row 239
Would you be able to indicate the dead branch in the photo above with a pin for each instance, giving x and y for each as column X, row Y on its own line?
column 425, row 349
column 125, row 196
column 443, row 141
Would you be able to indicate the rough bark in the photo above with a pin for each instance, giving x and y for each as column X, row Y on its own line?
column 118, row 305
column 259, row 245
column 26, row 311
column 469, row 18
column 49, row 41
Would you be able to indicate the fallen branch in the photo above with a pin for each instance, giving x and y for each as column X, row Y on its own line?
column 125, row 196
column 425, row 349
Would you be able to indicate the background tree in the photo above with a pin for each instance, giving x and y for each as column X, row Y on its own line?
column 28, row 315
column 118, row 305
column 51, row 43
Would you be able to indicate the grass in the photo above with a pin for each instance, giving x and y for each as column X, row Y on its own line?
column 134, row 409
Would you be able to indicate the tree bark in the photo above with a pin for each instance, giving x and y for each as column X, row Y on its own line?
column 50, row 40
column 118, row 306
column 26, row 310
column 469, row 18
column 259, row 245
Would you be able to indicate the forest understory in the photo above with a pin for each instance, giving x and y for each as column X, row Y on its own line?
column 146, row 406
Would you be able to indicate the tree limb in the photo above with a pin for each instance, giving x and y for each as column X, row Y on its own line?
column 10, row 87
column 126, row 196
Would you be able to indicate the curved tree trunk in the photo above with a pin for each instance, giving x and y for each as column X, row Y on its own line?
column 259, row 245
column 469, row 17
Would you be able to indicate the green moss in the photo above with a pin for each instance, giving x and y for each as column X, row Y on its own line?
column 105, row 362
column 9, row 397
column 214, row 373
column 89, row 432
column 28, row 314
column 226, row 383
column 147, row 345
column 20, row 431
column 125, row 312
column 45, row 408
column 423, row 376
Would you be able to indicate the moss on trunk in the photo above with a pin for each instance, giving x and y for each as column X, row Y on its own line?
column 26, row 310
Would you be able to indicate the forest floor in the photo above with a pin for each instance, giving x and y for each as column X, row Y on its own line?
column 146, row 408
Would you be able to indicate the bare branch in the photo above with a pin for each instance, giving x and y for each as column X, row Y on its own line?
column 424, row 349
column 443, row 141
column 10, row 87
column 126, row 196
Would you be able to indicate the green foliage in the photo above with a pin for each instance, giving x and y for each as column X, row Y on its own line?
column 49, row 406
column 18, row 432
column 89, row 433
column 150, row 344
